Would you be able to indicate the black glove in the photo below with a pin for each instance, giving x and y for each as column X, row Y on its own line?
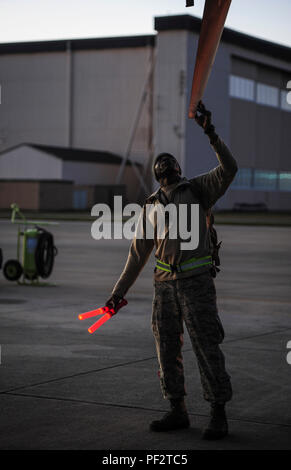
column 204, row 120
column 113, row 301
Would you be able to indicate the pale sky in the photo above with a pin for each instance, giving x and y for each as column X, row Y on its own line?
column 32, row 20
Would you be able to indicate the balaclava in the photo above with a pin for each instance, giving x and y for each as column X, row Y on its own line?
column 165, row 164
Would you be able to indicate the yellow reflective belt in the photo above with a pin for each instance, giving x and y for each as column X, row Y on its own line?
column 188, row 265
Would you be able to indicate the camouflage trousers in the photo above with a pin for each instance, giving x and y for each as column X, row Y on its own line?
column 191, row 301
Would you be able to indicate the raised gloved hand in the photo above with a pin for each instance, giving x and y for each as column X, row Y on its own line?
column 113, row 301
column 203, row 118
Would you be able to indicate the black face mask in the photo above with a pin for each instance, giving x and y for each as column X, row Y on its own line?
column 166, row 166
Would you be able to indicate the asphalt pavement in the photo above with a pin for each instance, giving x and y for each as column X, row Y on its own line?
column 62, row 388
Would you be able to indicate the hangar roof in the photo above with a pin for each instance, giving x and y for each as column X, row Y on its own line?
column 75, row 154
column 61, row 45
column 192, row 23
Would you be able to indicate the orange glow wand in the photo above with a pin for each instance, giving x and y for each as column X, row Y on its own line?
column 214, row 16
column 109, row 312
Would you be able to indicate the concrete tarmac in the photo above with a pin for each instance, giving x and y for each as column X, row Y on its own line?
column 62, row 388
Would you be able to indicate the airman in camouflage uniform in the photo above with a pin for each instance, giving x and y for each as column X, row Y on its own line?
column 185, row 296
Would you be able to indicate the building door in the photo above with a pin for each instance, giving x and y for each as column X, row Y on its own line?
column 80, row 198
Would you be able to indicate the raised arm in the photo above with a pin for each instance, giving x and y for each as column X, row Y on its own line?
column 214, row 183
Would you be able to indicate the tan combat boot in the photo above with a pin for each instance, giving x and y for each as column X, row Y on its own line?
column 177, row 418
column 217, row 427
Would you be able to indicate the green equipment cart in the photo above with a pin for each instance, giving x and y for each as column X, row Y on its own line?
column 35, row 250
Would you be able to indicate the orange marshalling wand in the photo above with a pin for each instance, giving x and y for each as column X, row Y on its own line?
column 214, row 16
column 109, row 312
column 93, row 313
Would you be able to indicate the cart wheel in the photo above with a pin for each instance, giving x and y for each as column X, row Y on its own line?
column 12, row 270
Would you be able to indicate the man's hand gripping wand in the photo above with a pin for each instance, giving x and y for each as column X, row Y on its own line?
column 109, row 312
